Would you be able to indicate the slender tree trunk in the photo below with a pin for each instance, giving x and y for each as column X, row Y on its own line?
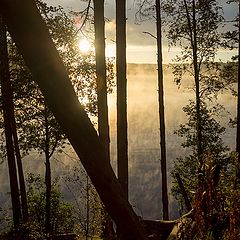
column 32, row 39
column 183, row 192
column 193, row 39
column 99, row 25
column 122, row 139
column 103, row 123
column 197, row 88
column 7, row 116
column 161, row 113
column 48, row 180
column 87, row 209
column 238, row 105
column 22, row 186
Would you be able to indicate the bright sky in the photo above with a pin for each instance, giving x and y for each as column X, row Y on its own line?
column 141, row 48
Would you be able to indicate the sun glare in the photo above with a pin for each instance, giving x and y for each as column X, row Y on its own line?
column 110, row 51
column 84, row 46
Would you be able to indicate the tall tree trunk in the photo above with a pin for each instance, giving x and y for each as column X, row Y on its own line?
column 7, row 116
column 22, row 187
column 122, row 140
column 48, row 180
column 103, row 123
column 99, row 25
column 33, row 40
column 193, row 38
column 197, row 88
column 238, row 105
column 161, row 113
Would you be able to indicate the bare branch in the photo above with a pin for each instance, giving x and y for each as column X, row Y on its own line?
column 150, row 35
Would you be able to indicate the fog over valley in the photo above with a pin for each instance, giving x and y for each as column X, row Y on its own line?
column 143, row 140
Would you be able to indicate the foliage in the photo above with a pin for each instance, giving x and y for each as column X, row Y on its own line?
column 89, row 212
column 32, row 115
column 216, row 207
column 62, row 219
column 88, row 206
column 188, row 166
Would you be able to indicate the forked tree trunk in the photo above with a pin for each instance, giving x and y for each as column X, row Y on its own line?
column 33, row 40
column 7, row 117
column 122, row 139
column 161, row 113
column 23, row 194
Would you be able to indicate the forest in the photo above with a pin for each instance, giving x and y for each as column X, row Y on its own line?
column 94, row 146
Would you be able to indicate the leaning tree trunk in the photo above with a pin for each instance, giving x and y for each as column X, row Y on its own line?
column 33, row 41
column 161, row 113
column 122, row 140
column 7, row 117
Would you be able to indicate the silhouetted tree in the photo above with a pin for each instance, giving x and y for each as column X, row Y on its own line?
column 149, row 9
column 161, row 112
column 8, row 120
column 32, row 38
column 122, row 140
column 99, row 26
column 238, row 101
column 103, row 123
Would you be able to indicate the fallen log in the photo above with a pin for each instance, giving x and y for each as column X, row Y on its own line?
column 161, row 229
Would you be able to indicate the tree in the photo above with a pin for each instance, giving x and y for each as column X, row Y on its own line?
column 37, row 126
column 161, row 112
column 238, row 101
column 149, row 9
column 89, row 210
column 99, row 26
column 103, row 123
column 122, row 142
column 213, row 147
column 194, row 26
column 32, row 39
column 62, row 220
column 8, row 120
column 231, row 41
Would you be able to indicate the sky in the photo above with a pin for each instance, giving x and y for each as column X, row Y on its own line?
column 141, row 48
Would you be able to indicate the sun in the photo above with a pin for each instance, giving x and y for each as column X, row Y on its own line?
column 84, row 46
column 110, row 51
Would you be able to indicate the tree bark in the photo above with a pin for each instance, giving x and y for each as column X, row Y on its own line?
column 48, row 179
column 193, row 39
column 7, row 117
column 99, row 26
column 103, row 123
column 122, row 139
column 183, row 192
column 22, row 186
column 238, row 106
column 33, row 41
column 23, row 194
column 161, row 112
